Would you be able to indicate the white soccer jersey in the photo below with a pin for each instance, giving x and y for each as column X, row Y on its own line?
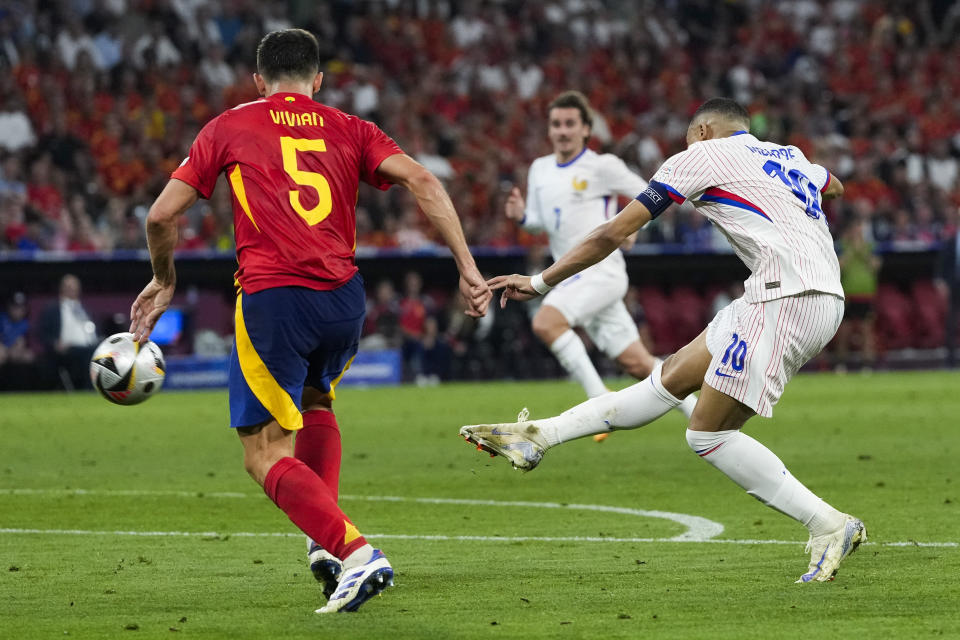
column 765, row 198
column 570, row 200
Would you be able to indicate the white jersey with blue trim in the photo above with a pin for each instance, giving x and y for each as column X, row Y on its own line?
column 766, row 199
column 569, row 200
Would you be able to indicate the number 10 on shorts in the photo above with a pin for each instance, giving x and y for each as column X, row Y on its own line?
column 735, row 353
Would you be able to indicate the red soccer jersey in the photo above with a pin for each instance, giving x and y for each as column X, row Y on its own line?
column 294, row 167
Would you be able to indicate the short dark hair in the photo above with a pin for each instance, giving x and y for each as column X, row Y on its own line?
column 724, row 107
column 289, row 53
column 573, row 100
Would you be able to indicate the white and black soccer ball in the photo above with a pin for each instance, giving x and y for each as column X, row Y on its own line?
column 125, row 372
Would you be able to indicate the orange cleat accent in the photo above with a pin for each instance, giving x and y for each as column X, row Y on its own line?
column 600, row 437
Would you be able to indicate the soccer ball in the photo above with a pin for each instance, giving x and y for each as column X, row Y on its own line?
column 125, row 372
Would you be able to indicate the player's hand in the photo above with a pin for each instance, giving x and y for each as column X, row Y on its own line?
column 475, row 293
column 515, row 287
column 148, row 307
column 515, row 206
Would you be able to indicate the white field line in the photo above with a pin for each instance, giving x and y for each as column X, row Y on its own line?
column 435, row 538
column 698, row 529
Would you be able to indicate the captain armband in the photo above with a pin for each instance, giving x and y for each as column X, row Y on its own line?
column 656, row 198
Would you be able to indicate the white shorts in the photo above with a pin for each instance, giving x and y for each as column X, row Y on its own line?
column 594, row 300
column 757, row 348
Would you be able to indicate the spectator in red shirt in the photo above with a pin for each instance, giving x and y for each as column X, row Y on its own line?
column 42, row 194
column 412, row 318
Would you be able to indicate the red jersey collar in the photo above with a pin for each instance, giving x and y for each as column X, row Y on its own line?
column 284, row 96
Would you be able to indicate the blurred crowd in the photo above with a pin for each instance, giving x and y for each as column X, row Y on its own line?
column 100, row 99
column 426, row 326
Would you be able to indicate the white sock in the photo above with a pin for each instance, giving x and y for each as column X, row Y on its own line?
column 357, row 558
column 761, row 473
column 628, row 408
column 686, row 407
column 687, row 404
column 571, row 353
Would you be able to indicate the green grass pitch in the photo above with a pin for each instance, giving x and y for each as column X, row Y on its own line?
column 79, row 477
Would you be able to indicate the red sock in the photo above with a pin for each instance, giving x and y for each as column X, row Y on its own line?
column 304, row 497
column 317, row 445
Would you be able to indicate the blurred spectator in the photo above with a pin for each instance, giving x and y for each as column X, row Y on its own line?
column 494, row 345
column 18, row 233
column 214, row 70
column 408, row 236
column 14, row 327
column 412, row 320
column 859, row 266
column 109, row 46
column 437, row 164
column 155, row 48
column 11, row 174
column 43, row 193
column 16, row 131
column 948, row 283
column 62, row 145
column 74, row 40
column 436, row 356
column 69, row 335
column 942, row 166
column 382, row 325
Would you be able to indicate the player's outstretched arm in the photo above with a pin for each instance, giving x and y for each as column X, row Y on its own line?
column 433, row 200
column 598, row 244
column 162, row 234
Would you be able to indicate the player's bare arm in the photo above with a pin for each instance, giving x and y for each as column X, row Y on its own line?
column 515, row 207
column 162, row 235
column 596, row 246
column 834, row 188
column 436, row 204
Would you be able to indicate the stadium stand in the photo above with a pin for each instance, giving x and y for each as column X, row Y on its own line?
column 100, row 99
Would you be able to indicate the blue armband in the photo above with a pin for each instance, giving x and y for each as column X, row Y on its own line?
column 656, row 198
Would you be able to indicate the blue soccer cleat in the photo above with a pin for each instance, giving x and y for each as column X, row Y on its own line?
column 360, row 584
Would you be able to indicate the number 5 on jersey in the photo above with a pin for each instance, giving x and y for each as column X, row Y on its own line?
column 289, row 147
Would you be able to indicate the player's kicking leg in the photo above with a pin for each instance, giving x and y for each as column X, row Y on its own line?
column 525, row 442
column 714, row 432
column 640, row 363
